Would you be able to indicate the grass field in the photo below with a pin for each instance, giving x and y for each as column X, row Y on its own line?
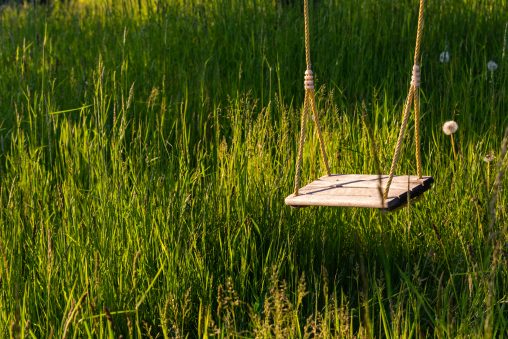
column 146, row 149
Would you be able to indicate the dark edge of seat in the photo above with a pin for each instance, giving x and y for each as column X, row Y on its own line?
column 403, row 199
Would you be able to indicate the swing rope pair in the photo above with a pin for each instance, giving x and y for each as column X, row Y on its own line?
column 413, row 98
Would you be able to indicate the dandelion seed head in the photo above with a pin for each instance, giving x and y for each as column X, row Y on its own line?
column 491, row 65
column 489, row 157
column 450, row 127
column 444, row 57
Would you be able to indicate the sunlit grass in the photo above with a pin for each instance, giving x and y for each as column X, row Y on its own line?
column 146, row 151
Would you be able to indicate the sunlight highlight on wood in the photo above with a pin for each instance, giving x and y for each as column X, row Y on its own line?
column 360, row 190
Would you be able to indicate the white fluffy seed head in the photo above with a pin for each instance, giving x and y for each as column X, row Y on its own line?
column 489, row 157
column 450, row 127
column 491, row 65
column 444, row 57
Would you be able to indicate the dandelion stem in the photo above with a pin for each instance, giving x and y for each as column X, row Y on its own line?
column 488, row 176
column 453, row 147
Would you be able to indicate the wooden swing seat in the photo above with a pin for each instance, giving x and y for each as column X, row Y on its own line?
column 360, row 190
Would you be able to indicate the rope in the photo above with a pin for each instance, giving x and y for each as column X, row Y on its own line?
column 307, row 33
column 407, row 108
column 416, row 101
column 416, row 94
column 309, row 102
column 300, row 146
column 412, row 97
column 419, row 33
column 320, row 136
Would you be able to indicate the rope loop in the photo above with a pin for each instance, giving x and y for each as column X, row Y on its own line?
column 308, row 82
column 415, row 78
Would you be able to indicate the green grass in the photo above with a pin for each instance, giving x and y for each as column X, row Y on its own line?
column 146, row 150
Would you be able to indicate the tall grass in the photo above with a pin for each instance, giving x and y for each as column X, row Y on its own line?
column 147, row 147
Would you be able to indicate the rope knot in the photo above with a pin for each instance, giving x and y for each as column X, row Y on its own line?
column 308, row 83
column 415, row 78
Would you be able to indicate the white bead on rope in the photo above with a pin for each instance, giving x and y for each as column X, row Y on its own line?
column 415, row 78
column 309, row 80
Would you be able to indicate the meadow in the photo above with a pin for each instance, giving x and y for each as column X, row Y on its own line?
column 146, row 148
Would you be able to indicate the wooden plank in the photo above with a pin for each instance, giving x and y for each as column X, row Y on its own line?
column 365, row 184
column 359, row 190
column 350, row 191
column 362, row 184
column 372, row 184
column 368, row 178
column 335, row 201
column 347, row 177
column 344, row 177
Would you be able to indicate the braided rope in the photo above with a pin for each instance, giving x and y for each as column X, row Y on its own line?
column 318, row 128
column 416, row 101
column 419, row 32
column 303, row 122
column 407, row 109
column 417, row 92
column 309, row 103
column 307, row 33
column 413, row 95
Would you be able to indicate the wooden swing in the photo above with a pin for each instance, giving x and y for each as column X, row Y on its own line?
column 381, row 191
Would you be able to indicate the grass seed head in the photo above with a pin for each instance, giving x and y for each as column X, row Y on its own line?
column 450, row 127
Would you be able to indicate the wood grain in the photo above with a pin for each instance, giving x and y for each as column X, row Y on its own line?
column 359, row 190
